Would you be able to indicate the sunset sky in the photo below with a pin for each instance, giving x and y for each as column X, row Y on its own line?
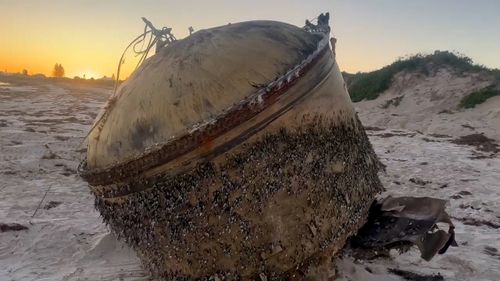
column 88, row 36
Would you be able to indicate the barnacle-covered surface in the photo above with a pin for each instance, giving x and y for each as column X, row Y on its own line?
column 278, row 203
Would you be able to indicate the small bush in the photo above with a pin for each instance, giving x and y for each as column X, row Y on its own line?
column 370, row 85
column 395, row 101
column 473, row 99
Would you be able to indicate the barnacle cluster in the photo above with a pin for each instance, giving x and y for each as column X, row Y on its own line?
column 270, row 208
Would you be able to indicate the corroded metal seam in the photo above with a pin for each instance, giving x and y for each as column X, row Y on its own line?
column 206, row 132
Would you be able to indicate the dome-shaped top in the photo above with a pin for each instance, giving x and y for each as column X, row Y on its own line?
column 191, row 81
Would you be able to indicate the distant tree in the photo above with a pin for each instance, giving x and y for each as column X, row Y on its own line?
column 58, row 71
column 113, row 77
column 25, row 72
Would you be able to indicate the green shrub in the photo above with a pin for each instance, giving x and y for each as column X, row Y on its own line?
column 371, row 84
column 473, row 99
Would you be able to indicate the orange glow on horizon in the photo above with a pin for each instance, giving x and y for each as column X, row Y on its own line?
column 87, row 74
column 88, row 36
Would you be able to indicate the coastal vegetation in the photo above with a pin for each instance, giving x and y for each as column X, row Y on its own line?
column 475, row 98
column 369, row 85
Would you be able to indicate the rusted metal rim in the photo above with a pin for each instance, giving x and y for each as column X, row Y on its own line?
column 205, row 133
column 116, row 191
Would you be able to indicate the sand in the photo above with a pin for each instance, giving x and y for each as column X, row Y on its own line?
column 42, row 127
column 429, row 104
column 449, row 171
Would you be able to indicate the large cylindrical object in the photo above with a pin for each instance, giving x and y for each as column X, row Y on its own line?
column 234, row 153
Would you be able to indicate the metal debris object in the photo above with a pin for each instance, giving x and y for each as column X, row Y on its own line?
column 396, row 221
column 234, row 154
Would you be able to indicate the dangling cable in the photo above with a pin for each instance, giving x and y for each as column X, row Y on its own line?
column 156, row 36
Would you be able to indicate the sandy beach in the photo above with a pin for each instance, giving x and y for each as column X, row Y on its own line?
column 42, row 127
